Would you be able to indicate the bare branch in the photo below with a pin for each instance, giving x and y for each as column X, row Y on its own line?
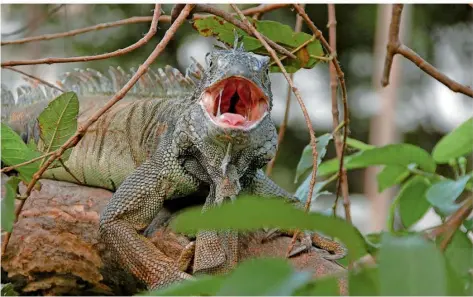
column 341, row 79
column 73, row 140
column 35, row 78
column 454, row 222
column 119, row 52
column 132, row 20
column 10, row 168
column 263, row 8
column 395, row 46
column 282, row 128
column 242, row 25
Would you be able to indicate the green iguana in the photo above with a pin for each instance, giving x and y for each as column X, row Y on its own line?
column 172, row 136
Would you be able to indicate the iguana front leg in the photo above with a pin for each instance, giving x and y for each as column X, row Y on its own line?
column 262, row 185
column 133, row 207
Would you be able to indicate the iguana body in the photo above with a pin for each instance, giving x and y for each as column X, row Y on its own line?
column 210, row 131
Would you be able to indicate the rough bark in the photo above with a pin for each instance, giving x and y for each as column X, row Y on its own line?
column 54, row 248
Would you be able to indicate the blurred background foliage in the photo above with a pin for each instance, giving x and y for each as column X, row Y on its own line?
column 425, row 110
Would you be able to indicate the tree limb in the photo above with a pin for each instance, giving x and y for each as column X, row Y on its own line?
column 35, row 78
column 395, row 46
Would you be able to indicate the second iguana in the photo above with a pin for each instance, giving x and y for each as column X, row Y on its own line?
column 172, row 136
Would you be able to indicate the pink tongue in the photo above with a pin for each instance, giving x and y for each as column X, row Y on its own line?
column 233, row 119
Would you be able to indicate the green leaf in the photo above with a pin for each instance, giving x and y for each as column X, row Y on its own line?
column 364, row 282
column 412, row 202
column 394, row 154
column 9, row 290
column 455, row 144
column 277, row 32
column 272, row 213
column 305, row 162
column 268, row 277
column 331, row 166
column 359, row 144
column 15, row 151
column 8, row 203
column 468, row 224
column 459, row 253
column 391, row 175
column 324, row 286
column 201, row 286
column 410, row 265
column 58, row 122
column 443, row 194
column 303, row 190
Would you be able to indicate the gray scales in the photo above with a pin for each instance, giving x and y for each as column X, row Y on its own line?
column 172, row 136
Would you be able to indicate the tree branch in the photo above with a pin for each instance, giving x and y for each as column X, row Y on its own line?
column 35, row 78
column 282, row 128
column 341, row 79
column 395, row 46
column 454, row 222
column 242, row 25
column 73, row 140
column 152, row 31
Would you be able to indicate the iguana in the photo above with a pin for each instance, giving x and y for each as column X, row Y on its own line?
column 171, row 136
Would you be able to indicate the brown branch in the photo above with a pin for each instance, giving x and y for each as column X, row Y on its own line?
column 73, row 140
column 10, row 168
column 35, row 78
column 282, row 128
column 36, row 22
column 313, row 140
column 242, row 25
column 119, row 52
column 341, row 79
column 133, row 20
column 454, row 222
column 395, row 46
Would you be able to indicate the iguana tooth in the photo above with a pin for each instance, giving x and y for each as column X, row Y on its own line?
column 219, row 103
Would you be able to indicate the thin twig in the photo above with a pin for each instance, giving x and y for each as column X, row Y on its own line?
column 35, row 78
column 297, row 49
column 282, row 128
column 395, row 46
column 34, row 23
column 10, row 168
column 73, row 140
column 313, row 140
column 133, row 20
column 119, row 52
column 341, row 80
column 242, row 25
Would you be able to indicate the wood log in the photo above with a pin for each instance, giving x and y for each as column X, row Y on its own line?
column 54, row 248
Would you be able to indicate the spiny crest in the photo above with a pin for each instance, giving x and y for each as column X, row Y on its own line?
column 160, row 83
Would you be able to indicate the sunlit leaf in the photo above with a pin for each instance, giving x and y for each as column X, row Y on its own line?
column 58, row 122
column 8, row 203
column 308, row 48
column 443, row 194
column 411, row 265
column 15, row 151
column 354, row 143
column 455, row 144
column 261, row 212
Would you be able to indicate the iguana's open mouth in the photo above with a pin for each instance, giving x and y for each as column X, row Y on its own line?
column 235, row 102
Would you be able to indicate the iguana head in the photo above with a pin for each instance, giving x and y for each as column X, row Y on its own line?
column 236, row 91
column 229, row 129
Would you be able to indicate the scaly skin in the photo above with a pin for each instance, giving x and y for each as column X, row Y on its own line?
column 152, row 150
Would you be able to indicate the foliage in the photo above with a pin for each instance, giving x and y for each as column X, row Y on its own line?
column 304, row 46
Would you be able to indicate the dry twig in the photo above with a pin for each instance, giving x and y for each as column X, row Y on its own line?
column 454, row 222
column 73, row 140
column 313, row 140
column 341, row 79
column 35, row 78
column 282, row 128
column 395, row 46
column 10, row 168
column 119, row 52
column 242, row 25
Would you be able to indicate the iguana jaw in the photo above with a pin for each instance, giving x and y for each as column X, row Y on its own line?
column 235, row 102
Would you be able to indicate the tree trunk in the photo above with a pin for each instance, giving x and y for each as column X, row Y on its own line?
column 54, row 248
